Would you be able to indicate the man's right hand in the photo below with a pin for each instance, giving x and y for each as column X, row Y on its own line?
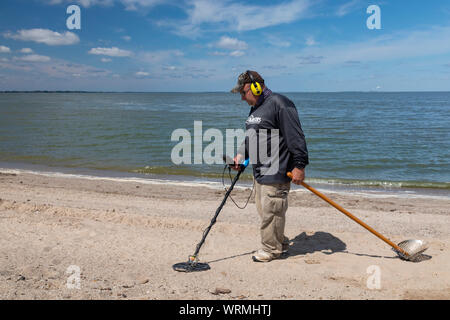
column 298, row 175
column 237, row 162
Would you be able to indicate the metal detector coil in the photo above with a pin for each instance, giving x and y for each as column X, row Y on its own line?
column 190, row 266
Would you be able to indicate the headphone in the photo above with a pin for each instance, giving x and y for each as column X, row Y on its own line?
column 255, row 86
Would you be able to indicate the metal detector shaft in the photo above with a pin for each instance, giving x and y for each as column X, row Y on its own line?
column 213, row 221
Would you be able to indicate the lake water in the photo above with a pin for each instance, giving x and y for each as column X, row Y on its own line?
column 398, row 140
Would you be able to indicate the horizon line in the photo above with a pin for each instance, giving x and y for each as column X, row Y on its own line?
column 345, row 91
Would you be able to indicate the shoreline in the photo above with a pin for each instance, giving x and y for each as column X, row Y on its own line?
column 216, row 183
column 126, row 235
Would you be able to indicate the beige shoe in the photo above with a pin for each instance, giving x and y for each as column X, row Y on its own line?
column 263, row 256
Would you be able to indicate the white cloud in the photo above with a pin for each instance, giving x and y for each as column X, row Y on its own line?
column 105, row 60
column 14, row 66
column 237, row 53
column 4, row 49
column 129, row 4
column 311, row 59
column 218, row 53
column 231, row 44
column 33, row 58
column 348, row 7
column 136, row 4
column 64, row 69
column 235, row 46
column 126, row 38
column 310, row 41
column 46, row 36
column 111, row 52
column 29, row 67
column 160, row 56
column 400, row 45
column 276, row 41
column 142, row 74
column 225, row 15
column 26, row 50
column 84, row 3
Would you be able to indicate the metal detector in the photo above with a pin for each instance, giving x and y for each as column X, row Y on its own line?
column 193, row 263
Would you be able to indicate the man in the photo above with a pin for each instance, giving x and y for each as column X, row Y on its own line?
column 272, row 117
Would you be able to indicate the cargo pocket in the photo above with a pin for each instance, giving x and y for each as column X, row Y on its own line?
column 275, row 201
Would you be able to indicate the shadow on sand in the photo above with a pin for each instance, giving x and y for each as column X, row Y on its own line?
column 320, row 241
column 302, row 244
column 328, row 244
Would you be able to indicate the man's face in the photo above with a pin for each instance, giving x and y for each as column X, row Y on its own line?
column 247, row 95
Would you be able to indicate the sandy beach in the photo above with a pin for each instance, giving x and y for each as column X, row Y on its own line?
column 124, row 237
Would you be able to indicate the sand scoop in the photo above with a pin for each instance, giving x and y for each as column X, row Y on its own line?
column 410, row 250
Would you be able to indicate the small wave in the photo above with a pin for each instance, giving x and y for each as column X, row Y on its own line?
column 330, row 181
column 150, row 181
column 179, row 171
column 383, row 184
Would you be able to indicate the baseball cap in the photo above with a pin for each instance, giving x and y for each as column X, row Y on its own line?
column 244, row 78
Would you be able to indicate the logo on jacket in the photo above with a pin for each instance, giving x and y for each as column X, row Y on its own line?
column 253, row 120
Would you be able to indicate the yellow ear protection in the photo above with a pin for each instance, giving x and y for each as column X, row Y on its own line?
column 255, row 86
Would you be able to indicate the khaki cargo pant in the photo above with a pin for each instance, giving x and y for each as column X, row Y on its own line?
column 271, row 204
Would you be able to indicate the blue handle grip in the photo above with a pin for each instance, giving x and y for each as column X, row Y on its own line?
column 245, row 164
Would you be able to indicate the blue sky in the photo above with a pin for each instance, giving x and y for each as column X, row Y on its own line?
column 200, row 45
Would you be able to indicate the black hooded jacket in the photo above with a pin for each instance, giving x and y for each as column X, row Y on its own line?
column 274, row 117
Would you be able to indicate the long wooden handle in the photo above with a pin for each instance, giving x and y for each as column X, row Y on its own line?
column 348, row 214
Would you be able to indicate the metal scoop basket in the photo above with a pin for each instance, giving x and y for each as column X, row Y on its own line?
column 412, row 250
